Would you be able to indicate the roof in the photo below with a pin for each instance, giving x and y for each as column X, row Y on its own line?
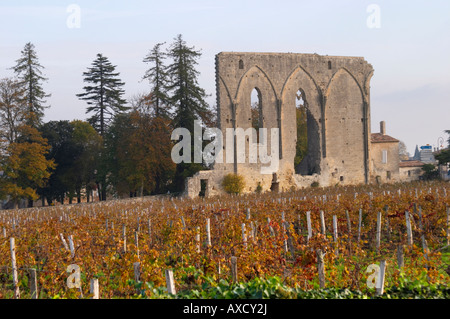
column 410, row 164
column 380, row 138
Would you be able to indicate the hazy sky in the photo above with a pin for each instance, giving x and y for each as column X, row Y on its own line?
column 409, row 48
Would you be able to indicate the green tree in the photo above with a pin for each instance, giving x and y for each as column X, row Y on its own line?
column 104, row 94
column 29, row 72
column 158, row 77
column 104, row 97
column 62, row 152
column 188, row 100
column 74, row 148
column 139, row 150
column 444, row 156
column 187, row 96
column 429, row 172
column 88, row 144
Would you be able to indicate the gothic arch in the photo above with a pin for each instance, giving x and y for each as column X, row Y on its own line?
column 300, row 79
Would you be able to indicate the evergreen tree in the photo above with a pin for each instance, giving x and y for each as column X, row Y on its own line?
column 28, row 71
column 104, row 95
column 158, row 77
column 187, row 97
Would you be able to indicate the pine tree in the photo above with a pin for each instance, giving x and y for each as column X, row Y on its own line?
column 104, row 96
column 158, row 77
column 28, row 71
column 188, row 97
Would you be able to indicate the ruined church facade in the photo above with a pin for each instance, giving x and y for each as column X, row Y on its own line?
column 335, row 91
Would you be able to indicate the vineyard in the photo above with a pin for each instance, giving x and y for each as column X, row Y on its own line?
column 286, row 245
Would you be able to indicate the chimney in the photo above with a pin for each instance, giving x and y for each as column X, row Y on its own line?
column 383, row 128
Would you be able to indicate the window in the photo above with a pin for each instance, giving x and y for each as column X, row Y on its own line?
column 329, row 65
column 384, row 157
column 256, row 112
column 388, row 175
column 341, row 178
column 302, row 130
column 241, row 64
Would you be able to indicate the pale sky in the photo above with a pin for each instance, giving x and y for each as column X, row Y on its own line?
column 409, row 50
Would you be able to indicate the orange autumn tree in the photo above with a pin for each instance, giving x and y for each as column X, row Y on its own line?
column 24, row 165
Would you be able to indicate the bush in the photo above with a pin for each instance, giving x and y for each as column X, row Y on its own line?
column 233, row 183
column 315, row 184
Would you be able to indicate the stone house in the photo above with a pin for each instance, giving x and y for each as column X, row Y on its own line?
column 410, row 170
column 384, row 154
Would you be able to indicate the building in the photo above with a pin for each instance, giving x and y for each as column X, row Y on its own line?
column 384, row 156
column 426, row 154
column 410, row 170
column 335, row 91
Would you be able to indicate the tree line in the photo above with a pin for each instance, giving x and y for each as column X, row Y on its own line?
column 124, row 146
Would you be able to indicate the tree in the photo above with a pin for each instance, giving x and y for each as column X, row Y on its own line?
column 158, row 77
column 188, row 99
column 429, row 172
column 88, row 144
column 105, row 101
column 140, row 150
column 104, row 96
column 25, row 166
column 74, row 148
column 62, row 152
column 12, row 110
column 444, row 156
column 29, row 72
column 403, row 151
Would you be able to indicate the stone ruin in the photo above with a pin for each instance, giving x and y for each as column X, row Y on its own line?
column 335, row 91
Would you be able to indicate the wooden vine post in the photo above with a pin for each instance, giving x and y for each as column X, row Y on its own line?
column 124, row 237
column 322, row 223
column 380, row 281
column 94, row 290
column 408, row 230
column 208, row 232
column 12, row 246
column 170, row 282
column 234, row 274
column 321, row 268
column 71, row 246
column 33, row 284
column 308, row 223
column 359, row 225
column 378, row 237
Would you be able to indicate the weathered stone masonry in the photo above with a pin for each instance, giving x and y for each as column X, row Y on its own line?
column 336, row 91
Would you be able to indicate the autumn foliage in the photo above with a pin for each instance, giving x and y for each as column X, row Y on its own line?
column 275, row 243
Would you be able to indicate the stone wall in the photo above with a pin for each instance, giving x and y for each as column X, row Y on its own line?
column 336, row 91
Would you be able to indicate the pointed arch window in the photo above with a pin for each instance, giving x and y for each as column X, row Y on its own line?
column 256, row 111
column 301, row 148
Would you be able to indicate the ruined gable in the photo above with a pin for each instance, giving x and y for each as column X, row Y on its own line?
column 336, row 93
